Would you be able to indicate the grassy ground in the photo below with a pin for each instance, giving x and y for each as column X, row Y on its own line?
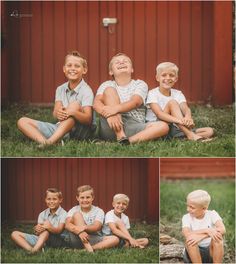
column 11, row 254
column 173, row 207
column 14, row 144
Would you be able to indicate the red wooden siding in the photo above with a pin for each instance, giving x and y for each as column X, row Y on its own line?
column 177, row 168
column 24, row 182
column 196, row 35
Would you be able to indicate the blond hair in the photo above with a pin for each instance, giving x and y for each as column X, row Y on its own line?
column 166, row 65
column 117, row 55
column 200, row 197
column 77, row 54
column 84, row 188
column 121, row 196
column 54, row 190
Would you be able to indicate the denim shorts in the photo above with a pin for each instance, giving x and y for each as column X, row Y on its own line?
column 205, row 255
column 131, row 127
column 79, row 131
column 31, row 239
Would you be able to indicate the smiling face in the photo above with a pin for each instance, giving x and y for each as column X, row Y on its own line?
column 85, row 200
column 119, row 206
column 53, row 201
column 120, row 64
column 196, row 210
column 74, row 68
column 167, row 78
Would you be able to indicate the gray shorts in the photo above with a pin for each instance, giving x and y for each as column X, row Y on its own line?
column 31, row 239
column 74, row 241
column 131, row 127
column 79, row 131
column 175, row 132
column 205, row 255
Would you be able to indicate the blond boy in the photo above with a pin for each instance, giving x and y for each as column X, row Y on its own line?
column 121, row 105
column 170, row 105
column 117, row 223
column 203, row 230
column 50, row 225
column 72, row 108
column 84, row 223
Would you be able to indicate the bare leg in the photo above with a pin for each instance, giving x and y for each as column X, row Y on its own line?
column 217, row 251
column 43, row 237
column 19, row 239
column 111, row 98
column 194, row 253
column 29, row 128
column 143, row 242
column 205, row 132
column 107, row 242
column 153, row 130
column 79, row 221
column 173, row 109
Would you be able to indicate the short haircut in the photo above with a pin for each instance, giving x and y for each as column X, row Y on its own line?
column 54, row 190
column 166, row 65
column 121, row 196
column 84, row 188
column 77, row 54
column 200, row 197
column 117, row 55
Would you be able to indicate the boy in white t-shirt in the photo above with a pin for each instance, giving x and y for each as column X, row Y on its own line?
column 84, row 223
column 170, row 105
column 121, row 105
column 117, row 223
column 203, row 230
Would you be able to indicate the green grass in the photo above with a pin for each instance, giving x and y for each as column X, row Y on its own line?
column 14, row 144
column 173, row 207
column 11, row 253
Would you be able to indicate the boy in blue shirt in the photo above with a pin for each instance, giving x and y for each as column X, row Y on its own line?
column 51, row 223
column 72, row 109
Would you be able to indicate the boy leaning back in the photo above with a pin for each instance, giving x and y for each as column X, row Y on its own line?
column 170, row 105
column 72, row 109
column 203, row 230
column 51, row 223
column 117, row 223
column 84, row 223
column 121, row 106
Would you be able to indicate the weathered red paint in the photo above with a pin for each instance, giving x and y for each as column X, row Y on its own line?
column 197, row 35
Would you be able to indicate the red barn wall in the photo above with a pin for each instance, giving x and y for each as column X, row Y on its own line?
column 196, row 35
column 24, row 182
column 177, row 168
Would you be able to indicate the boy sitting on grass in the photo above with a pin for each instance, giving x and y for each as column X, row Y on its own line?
column 121, row 106
column 170, row 105
column 72, row 109
column 117, row 223
column 50, row 225
column 84, row 223
column 203, row 230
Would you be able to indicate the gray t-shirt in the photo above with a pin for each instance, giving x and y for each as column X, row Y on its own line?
column 135, row 87
column 55, row 219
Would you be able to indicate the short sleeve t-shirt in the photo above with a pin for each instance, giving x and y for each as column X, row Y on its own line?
column 208, row 221
column 155, row 96
column 55, row 219
column 135, row 87
column 112, row 218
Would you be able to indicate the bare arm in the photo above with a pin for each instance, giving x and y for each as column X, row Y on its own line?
column 55, row 230
column 194, row 237
column 84, row 116
column 96, row 226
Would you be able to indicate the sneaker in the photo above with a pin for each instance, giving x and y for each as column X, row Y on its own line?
column 123, row 141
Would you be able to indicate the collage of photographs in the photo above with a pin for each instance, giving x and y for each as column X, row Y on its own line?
column 118, row 131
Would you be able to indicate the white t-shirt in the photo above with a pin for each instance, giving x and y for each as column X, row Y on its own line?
column 135, row 87
column 208, row 221
column 155, row 96
column 112, row 218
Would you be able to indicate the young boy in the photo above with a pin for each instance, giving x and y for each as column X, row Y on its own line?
column 72, row 109
column 50, row 225
column 117, row 223
column 84, row 223
column 203, row 230
column 121, row 106
column 168, row 104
